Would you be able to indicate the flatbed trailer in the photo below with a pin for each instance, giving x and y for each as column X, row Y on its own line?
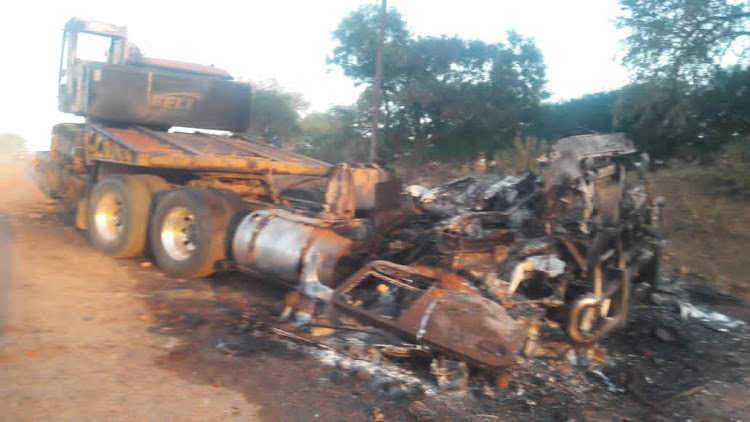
column 83, row 154
column 80, row 154
column 197, row 151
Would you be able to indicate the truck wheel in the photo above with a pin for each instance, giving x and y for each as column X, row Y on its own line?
column 117, row 214
column 188, row 231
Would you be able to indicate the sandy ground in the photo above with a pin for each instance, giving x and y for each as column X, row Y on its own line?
column 74, row 343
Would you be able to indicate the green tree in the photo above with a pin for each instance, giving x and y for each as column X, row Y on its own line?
column 721, row 109
column 682, row 101
column 683, row 39
column 275, row 112
column 442, row 96
column 465, row 97
column 357, row 36
column 335, row 136
column 655, row 115
column 672, row 118
column 587, row 114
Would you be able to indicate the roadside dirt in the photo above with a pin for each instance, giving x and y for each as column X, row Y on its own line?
column 86, row 337
column 75, row 343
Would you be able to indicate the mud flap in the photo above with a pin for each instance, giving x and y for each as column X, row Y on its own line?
column 80, row 219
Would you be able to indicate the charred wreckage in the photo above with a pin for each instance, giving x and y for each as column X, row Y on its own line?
column 469, row 270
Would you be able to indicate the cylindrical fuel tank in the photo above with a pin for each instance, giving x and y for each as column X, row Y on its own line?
column 278, row 243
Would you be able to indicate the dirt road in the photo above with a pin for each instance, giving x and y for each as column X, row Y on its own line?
column 75, row 343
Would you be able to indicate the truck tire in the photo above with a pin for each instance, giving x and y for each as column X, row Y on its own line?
column 117, row 214
column 189, row 230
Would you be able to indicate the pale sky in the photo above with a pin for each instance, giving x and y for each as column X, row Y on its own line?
column 289, row 40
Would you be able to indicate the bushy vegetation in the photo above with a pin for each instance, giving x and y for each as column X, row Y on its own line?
column 728, row 172
column 333, row 136
column 454, row 100
column 734, row 166
column 521, row 156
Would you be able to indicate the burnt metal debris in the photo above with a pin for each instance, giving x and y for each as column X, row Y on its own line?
column 469, row 271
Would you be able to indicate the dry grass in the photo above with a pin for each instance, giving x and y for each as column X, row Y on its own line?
column 522, row 157
column 429, row 175
column 708, row 230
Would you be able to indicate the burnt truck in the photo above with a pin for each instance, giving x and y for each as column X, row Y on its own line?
column 469, row 270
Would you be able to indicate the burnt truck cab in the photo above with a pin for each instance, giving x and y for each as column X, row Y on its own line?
column 127, row 88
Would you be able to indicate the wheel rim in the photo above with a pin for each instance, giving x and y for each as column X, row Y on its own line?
column 178, row 234
column 108, row 217
column 605, row 307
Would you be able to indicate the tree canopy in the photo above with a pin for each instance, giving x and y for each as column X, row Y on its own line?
column 275, row 112
column 442, row 92
column 357, row 36
column 587, row 114
column 450, row 98
column 669, row 118
column 686, row 98
column 334, row 136
column 683, row 39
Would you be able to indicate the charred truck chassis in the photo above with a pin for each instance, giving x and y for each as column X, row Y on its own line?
column 465, row 270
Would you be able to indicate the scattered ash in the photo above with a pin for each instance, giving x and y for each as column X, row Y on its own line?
column 667, row 364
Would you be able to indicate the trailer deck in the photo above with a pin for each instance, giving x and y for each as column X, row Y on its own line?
column 197, row 151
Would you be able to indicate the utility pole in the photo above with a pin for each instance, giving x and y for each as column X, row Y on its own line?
column 377, row 87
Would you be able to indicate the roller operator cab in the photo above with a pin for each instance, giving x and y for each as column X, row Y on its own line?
column 126, row 88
